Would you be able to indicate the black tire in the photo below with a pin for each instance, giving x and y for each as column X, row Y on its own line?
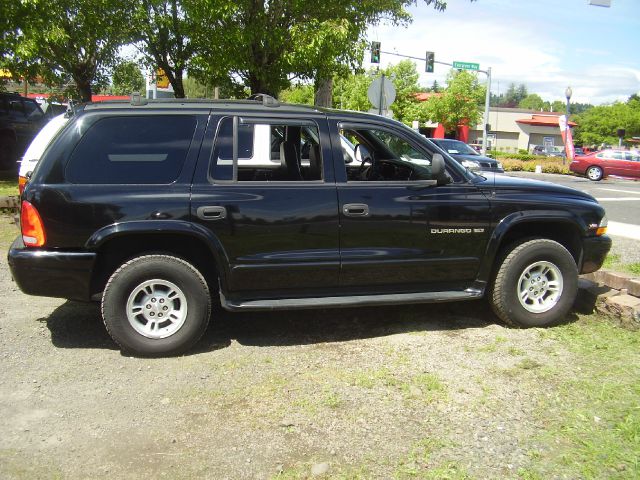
column 8, row 152
column 549, row 296
column 594, row 173
column 179, row 294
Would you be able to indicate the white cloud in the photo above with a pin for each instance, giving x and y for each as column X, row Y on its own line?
column 517, row 50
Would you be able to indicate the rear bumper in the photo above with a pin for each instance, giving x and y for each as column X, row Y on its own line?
column 50, row 273
column 594, row 252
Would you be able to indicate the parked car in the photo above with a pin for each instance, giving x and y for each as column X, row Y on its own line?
column 157, row 209
column 467, row 156
column 20, row 120
column 598, row 165
column 549, row 151
column 37, row 148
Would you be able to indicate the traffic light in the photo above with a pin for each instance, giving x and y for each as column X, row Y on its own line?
column 375, row 52
column 429, row 62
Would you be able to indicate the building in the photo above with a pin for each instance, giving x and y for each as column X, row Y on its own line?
column 510, row 129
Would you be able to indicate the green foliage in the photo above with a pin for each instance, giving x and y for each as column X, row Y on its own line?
column 599, row 124
column 350, row 92
column 302, row 94
column 405, row 79
column 458, row 104
column 58, row 39
column 263, row 44
column 127, row 78
column 533, row 101
column 164, row 29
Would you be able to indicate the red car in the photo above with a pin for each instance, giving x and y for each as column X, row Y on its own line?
column 595, row 166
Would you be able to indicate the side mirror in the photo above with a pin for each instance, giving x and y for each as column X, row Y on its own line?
column 362, row 153
column 438, row 171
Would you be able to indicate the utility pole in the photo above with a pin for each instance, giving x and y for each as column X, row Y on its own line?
column 487, row 106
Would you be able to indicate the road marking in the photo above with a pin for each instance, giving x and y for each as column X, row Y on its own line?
column 618, row 199
column 626, row 230
column 618, row 190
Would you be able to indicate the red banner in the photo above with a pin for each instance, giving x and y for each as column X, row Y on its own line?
column 567, row 137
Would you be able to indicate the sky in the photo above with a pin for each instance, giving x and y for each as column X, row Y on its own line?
column 545, row 44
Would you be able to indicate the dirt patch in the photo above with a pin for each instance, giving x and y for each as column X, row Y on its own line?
column 356, row 393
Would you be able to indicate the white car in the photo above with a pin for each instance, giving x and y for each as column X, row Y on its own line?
column 37, row 148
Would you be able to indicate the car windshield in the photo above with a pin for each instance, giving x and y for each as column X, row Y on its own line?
column 456, row 147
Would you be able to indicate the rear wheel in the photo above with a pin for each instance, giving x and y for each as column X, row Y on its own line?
column 156, row 305
column 594, row 173
column 536, row 284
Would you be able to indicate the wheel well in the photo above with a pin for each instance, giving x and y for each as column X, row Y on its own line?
column 565, row 234
column 119, row 250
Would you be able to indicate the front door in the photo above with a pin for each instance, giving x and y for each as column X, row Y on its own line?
column 399, row 230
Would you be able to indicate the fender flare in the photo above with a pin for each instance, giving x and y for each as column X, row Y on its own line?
column 164, row 227
column 516, row 219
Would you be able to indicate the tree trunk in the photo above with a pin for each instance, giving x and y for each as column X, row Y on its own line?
column 324, row 92
column 259, row 85
column 178, row 87
column 84, row 89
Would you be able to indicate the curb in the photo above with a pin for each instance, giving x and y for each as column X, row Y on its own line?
column 610, row 293
column 10, row 202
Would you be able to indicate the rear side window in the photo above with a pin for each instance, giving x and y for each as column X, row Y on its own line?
column 135, row 150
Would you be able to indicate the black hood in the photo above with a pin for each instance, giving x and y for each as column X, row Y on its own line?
column 473, row 158
column 505, row 183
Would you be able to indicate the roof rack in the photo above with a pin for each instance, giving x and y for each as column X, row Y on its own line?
column 137, row 99
column 267, row 100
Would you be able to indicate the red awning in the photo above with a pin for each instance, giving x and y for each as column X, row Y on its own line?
column 543, row 121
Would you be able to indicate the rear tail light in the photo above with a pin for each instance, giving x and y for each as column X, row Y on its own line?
column 31, row 224
column 22, row 181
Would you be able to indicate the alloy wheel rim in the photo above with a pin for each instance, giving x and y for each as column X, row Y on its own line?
column 540, row 287
column 156, row 309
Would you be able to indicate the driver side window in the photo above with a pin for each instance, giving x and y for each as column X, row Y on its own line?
column 377, row 155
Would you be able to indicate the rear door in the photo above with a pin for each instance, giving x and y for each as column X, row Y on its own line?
column 399, row 230
column 264, row 187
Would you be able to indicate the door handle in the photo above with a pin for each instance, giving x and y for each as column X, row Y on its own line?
column 355, row 209
column 211, row 213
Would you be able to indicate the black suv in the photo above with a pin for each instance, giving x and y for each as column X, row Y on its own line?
column 156, row 208
column 21, row 119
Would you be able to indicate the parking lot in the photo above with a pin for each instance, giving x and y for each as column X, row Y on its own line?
column 428, row 391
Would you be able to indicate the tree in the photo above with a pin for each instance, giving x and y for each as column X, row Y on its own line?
column 303, row 94
column 405, row 80
column 165, row 29
column 350, row 92
column 459, row 104
column 127, row 78
column 264, row 44
column 435, row 88
column 74, row 38
column 599, row 124
column 533, row 101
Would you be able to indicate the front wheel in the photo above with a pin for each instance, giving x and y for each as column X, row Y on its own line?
column 594, row 173
column 536, row 284
column 156, row 305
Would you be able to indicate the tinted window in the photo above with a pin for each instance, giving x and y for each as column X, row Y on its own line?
column 148, row 149
column 267, row 152
column 387, row 157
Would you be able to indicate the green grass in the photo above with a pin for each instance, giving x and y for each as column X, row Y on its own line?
column 593, row 420
column 8, row 188
column 8, row 231
column 615, row 262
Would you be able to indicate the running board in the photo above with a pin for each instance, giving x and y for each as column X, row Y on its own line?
column 350, row 301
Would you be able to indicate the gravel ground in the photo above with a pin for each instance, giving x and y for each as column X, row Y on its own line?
column 370, row 392
column 431, row 391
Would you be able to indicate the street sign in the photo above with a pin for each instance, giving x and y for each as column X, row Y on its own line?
column 381, row 93
column 466, row 66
